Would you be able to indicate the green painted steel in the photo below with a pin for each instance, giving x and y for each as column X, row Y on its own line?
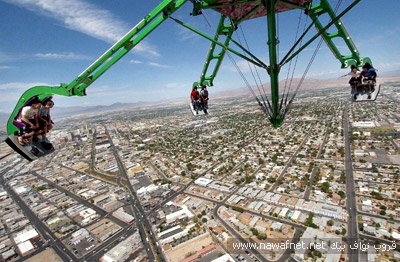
column 41, row 92
column 163, row 11
column 78, row 86
column 223, row 30
column 350, row 59
column 321, row 31
column 273, row 69
column 256, row 61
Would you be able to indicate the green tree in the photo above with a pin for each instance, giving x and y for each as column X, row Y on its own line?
column 342, row 194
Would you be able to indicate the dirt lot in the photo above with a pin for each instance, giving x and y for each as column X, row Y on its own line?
column 180, row 252
column 48, row 255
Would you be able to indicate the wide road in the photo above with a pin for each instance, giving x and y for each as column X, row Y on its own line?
column 100, row 250
column 251, row 212
column 351, row 202
column 80, row 200
column 237, row 235
column 181, row 191
column 310, row 183
column 286, row 254
column 145, row 230
column 59, row 247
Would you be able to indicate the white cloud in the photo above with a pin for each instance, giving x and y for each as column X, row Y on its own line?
column 4, row 67
column 63, row 56
column 12, row 91
column 13, row 86
column 241, row 64
column 86, row 18
column 185, row 34
column 154, row 64
column 133, row 61
column 7, row 57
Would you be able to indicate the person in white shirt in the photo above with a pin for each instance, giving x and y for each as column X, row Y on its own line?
column 355, row 80
column 29, row 116
column 355, row 76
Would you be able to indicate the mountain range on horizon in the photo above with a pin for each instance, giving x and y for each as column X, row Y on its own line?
column 308, row 85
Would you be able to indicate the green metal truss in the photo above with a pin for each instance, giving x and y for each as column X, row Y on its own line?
column 353, row 58
column 78, row 86
column 224, row 30
column 163, row 11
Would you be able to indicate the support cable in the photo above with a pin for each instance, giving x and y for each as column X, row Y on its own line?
column 308, row 66
column 264, row 107
column 290, row 65
column 263, row 96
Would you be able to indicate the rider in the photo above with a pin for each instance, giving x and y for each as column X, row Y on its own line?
column 355, row 80
column 369, row 75
column 45, row 123
column 204, row 96
column 355, row 76
column 195, row 98
column 29, row 116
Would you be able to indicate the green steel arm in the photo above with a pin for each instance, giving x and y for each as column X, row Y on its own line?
column 254, row 60
column 274, row 67
column 123, row 46
column 103, row 63
column 315, row 11
column 353, row 58
column 222, row 30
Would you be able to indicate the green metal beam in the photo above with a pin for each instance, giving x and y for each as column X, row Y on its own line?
column 292, row 5
column 250, row 13
column 103, row 63
column 41, row 92
column 249, row 53
column 274, row 68
column 257, row 63
column 325, row 8
column 123, row 46
column 321, row 31
column 223, row 30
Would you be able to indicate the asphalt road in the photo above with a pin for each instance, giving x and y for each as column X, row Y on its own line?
column 284, row 257
column 310, row 183
column 251, row 212
column 100, row 211
column 100, row 250
column 57, row 245
column 143, row 225
column 351, row 203
column 259, row 256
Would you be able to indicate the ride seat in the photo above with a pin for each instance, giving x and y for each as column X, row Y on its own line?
column 16, row 121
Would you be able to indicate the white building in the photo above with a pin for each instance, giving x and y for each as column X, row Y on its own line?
column 224, row 258
column 201, row 181
column 180, row 214
column 28, row 233
column 122, row 215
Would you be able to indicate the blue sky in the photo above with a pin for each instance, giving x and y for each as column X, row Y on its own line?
column 52, row 41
